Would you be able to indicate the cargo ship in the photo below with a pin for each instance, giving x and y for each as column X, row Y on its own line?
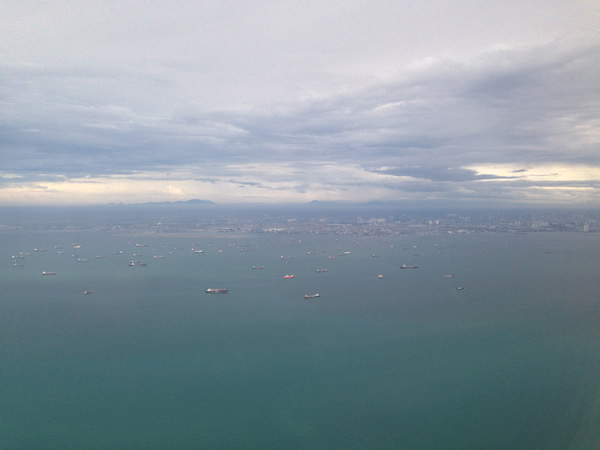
column 287, row 277
column 217, row 291
column 48, row 273
column 321, row 270
column 311, row 295
column 404, row 266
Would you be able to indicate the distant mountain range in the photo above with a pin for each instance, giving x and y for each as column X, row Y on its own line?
column 194, row 201
column 311, row 204
column 315, row 205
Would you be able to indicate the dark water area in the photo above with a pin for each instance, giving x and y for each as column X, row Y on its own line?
column 150, row 360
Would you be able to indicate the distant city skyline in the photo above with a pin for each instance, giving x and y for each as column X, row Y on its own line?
column 472, row 103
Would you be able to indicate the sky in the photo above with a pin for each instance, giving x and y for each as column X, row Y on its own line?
column 472, row 103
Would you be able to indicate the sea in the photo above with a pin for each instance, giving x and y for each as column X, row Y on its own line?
column 385, row 357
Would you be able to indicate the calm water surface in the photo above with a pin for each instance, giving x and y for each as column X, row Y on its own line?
column 150, row 360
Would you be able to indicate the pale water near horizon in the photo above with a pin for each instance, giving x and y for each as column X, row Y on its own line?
column 150, row 360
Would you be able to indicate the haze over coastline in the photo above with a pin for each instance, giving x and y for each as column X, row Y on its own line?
column 474, row 103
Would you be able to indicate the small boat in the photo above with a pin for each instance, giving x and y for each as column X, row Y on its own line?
column 217, row 291
column 460, row 288
column 158, row 257
column 88, row 292
column 321, row 270
column 380, row 277
column 48, row 273
column 287, row 277
column 404, row 266
column 17, row 265
column 137, row 264
column 311, row 295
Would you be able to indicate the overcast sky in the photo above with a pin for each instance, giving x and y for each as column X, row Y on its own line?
column 471, row 102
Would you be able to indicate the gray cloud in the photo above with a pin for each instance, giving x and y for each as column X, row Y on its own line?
column 430, row 120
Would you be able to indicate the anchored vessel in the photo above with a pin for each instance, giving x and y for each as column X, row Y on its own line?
column 48, row 273
column 311, row 295
column 404, row 266
column 217, row 291
column 137, row 264
column 287, row 277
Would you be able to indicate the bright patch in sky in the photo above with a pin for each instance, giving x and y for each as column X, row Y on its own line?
column 544, row 172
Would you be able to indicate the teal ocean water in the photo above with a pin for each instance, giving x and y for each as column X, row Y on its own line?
column 150, row 360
